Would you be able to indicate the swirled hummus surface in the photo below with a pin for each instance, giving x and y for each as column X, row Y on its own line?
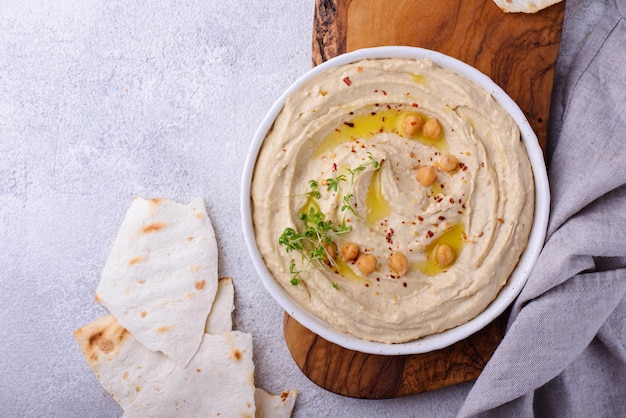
column 392, row 198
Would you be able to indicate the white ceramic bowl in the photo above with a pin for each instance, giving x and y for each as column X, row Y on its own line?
column 515, row 282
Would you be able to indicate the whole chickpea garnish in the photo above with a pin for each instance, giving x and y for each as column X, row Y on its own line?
column 432, row 129
column 349, row 251
column 448, row 163
column 366, row 263
column 426, row 175
column 444, row 255
column 399, row 264
column 411, row 124
column 329, row 252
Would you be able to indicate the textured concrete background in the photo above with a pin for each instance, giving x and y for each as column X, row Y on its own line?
column 102, row 101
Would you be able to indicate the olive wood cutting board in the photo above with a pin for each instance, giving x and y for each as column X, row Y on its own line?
column 518, row 51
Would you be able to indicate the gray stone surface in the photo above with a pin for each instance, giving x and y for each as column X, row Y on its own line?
column 102, row 101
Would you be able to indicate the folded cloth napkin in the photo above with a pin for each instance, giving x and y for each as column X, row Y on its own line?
column 564, row 352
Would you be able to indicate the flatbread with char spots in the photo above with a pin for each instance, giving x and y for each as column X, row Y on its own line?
column 152, row 353
column 122, row 365
column 274, row 406
column 218, row 381
column 524, row 6
column 160, row 279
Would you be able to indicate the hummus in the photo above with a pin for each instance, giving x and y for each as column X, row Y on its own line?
column 337, row 176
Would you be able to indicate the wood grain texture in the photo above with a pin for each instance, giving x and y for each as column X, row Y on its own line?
column 369, row 376
column 518, row 51
column 329, row 30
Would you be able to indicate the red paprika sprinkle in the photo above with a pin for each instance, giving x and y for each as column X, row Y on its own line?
column 347, row 81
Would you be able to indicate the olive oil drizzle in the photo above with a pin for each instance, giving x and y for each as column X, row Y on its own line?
column 310, row 203
column 418, row 78
column 377, row 206
column 343, row 269
column 452, row 237
column 368, row 125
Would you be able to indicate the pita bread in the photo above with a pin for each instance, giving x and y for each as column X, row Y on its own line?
column 274, row 406
column 161, row 277
column 122, row 365
column 219, row 381
column 524, row 6
column 151, row 354
column 220, row 319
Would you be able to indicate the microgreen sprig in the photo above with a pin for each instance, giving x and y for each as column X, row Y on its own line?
column 317, row 233
column 310, row 243
column 347, row 205
column 370, row 161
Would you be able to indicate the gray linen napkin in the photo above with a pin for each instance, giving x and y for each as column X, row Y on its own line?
column 564, row 352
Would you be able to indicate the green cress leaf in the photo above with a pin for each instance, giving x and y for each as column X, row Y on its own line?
column 332, row 183
column 315, row 191
column 294, row 274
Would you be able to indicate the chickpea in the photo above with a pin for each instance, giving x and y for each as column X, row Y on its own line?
column 349, row 251
column 329, row 252
column 399, row 264
column 411, row 124
column 366, row 263
column 448, row 163
column 444, row 255
column 432, row 129
column 426, row 175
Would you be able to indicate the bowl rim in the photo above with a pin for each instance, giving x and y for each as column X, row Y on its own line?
column 520, row 274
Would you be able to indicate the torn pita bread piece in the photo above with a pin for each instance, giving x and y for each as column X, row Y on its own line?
column 220, row 319
column 524, row 6
column 122, row 365
column 219, row 381
column 160, row 279
column 274, row 406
